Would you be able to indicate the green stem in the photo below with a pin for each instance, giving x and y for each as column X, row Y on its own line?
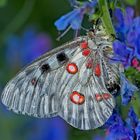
column 106, row 19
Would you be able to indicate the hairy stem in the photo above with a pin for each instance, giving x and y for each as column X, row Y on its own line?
column 105, row 17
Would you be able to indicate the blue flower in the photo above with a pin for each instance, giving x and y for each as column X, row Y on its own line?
column 119, row 132
column 74, row 18
column 123, row 22
column 128, row 33
column 116, row 129
column 120, row 129
column 26, row 48
column 133, row 123
column 133, row 117
column 53, row 129
column 122, row 53
column 114, row 119
column 127, row 90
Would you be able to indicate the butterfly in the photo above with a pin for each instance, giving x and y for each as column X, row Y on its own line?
column 75, row 81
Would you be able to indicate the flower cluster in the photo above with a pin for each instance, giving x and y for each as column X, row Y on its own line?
column 53, row 129
column 74, row 18
column 127, row 47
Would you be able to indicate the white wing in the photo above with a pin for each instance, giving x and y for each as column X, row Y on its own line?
column 34, row 90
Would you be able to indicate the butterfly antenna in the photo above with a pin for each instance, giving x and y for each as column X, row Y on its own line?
column 77, row 32
column 84, row 29
column 66, row 31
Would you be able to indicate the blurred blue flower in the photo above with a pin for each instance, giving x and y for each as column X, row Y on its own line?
column 127, row 90
column 74, row 18
column 123, row 130
column 22, row 50
column 52, row 129
column 128, row 33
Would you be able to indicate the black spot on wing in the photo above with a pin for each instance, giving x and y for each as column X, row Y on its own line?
column 45, row 68
column 62, row 57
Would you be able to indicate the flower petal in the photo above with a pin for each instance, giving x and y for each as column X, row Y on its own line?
column 132, row 115
column 127, row 90
column 65, row 20
column 128, row 18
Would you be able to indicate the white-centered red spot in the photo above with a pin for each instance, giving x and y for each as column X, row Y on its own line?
column 72, row 68
column 77, row 98
column 97, row 70
column 98, row 97
column 86, row 52
column 84, row 45
column 106, row 96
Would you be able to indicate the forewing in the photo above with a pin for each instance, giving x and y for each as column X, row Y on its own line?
column 34, row 91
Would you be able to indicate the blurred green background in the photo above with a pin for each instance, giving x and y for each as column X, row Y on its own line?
column 26, row 31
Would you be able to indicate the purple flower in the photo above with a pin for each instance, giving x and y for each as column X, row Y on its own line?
column 26, row 48
column 127, row 90
column 123, row 130
column 74, row 18
column 133, row 123
column 116, row 129
column 123, row 22
column 128, row 33
column 122, row 53
column 118, row 132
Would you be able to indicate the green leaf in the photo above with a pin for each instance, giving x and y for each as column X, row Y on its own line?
column 3, row 3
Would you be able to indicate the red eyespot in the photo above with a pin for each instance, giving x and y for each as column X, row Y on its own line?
column 98, row 97
column 86, row 52
column 97, row 70
column 106, row 96
column 84, row 45
column 77, row 98
column 72, row 68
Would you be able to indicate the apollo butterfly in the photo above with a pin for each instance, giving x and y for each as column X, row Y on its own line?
column 75, row 81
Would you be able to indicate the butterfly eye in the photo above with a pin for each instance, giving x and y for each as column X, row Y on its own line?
column 61, row 57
